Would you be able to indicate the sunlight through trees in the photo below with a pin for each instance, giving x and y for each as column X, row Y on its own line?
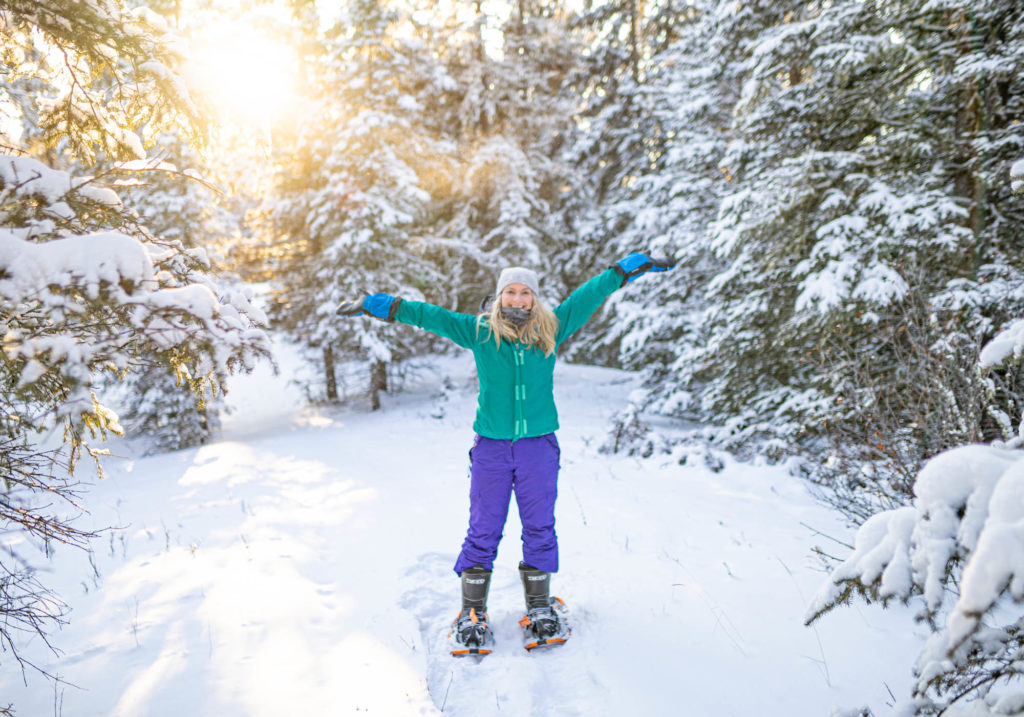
column 833, row 178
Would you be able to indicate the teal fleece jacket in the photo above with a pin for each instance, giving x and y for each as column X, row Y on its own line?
column 516, row 382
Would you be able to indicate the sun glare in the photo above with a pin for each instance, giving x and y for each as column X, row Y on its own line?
column 250, row 77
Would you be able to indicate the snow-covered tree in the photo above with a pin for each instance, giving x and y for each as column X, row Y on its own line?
column 865, row 242
column 84, row 74
column 508, row 118
column 956, row 550
column 175, row 205
column 958, row 547
column 625, row 122
column 87, row 291
column 615, row 135
column 664, row 205
column 353, row 192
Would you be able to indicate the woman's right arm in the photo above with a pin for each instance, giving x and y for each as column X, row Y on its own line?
column 460, row 328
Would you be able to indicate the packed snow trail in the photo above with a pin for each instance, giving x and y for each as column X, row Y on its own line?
column 302, row 565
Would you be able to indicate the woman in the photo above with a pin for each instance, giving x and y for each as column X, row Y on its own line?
column 515, row 449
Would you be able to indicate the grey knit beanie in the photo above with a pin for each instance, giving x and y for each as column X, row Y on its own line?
column 518, row 275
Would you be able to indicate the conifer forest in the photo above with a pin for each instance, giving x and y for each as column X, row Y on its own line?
column 840, row 184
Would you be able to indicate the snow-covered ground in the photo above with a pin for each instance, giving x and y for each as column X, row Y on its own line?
column 301, row 565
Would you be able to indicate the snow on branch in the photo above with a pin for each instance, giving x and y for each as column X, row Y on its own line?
column 1008, row 344
column 1017, row 176
column 42, row 271
column 82, row 304
column 910, row 550
column 960, row 545
column 27, row 177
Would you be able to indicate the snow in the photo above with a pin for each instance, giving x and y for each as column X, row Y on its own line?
column 998, row 560
column 147, row 165
column 28, row 177
column 32, row 372
column 1009, row 342
column 30, row 268
column 880, row 284
column 301, row 564
column 1017, row 175
column 148, row 17
column 828, row 287
column 197, row 299
column 967, row 515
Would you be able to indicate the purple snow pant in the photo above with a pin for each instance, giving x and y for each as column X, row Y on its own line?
column 528, row 466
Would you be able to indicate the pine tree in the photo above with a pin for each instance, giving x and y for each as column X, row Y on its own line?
column 623, row 154
column 179, row 208
column 101, row 71
column 87, row 292
column 667, row 197
column 794, row 141
column 607, row 150
column 952, row 545
column 354, row 191
column 665, row 207
column 507, row 117
column 853, row 233
column 951, row 551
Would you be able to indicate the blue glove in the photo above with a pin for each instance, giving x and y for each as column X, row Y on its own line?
column 380, row 306
column 637, row 264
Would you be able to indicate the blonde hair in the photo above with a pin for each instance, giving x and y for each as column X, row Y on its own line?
column 538, row 332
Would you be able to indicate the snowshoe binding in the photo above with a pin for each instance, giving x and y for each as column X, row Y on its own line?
column 470, row 631
column 545, row 626
column 544, row 623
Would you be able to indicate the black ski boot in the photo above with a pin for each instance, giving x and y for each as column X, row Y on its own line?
column 472, row 634
column 542, row 624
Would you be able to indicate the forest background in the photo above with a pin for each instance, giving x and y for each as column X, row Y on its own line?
column 832, row 177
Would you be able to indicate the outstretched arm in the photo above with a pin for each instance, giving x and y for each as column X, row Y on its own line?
column 380, row 306
column 637, row 264
column 576, row 310
column 460, row 328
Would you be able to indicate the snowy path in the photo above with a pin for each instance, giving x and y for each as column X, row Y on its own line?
column 302, row 565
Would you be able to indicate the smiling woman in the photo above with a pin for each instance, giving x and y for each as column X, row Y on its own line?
column 247, row 75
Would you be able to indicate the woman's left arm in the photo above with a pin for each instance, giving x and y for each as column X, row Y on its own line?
column 576, row 310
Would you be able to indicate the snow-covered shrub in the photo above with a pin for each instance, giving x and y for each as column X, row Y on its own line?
column 960, row 547
column 167, row 413
column 629, row 432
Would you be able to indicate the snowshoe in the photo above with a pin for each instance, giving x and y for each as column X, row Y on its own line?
column 471, row 633
column 545, row 626
column 470, row 630
column 544, row 623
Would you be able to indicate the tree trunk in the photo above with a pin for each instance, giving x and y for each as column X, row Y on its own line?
column 378, row 383
column 330, row 380
column 636, row 9
column 481, row 60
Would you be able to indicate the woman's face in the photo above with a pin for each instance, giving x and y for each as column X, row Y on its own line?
column 517, row 295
